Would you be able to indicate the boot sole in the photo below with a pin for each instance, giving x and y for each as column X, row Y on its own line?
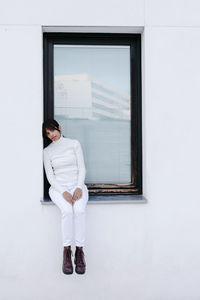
column 80, row 272
column 67, row 272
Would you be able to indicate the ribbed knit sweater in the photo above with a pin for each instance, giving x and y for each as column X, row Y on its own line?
column 64, row 163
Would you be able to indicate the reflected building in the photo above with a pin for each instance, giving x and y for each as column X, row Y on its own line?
column 81, row 97
column 99, row 117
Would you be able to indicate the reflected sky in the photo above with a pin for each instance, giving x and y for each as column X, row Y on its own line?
column 109, row 64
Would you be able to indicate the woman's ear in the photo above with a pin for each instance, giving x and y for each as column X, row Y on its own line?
column 59, row 127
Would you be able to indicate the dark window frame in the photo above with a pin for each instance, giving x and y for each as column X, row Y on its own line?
column 134, row 41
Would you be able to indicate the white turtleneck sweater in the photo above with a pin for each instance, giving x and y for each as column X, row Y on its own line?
column 63, row 163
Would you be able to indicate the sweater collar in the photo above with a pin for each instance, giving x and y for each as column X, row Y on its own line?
column 59, row 140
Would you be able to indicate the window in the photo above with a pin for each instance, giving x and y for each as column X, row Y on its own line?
column 92, row 87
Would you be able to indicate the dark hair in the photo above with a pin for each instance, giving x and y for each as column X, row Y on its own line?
column 50, row 124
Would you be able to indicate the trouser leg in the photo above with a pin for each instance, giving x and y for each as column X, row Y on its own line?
column 79, row 209
column 67, row 216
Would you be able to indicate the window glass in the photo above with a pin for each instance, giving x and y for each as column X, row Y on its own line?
column 92, row 104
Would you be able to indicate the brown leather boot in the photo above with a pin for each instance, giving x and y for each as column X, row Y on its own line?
column 67, row 261
column 79, row 261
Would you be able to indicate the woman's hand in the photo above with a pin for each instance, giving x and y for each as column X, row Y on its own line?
column 77, row 194
column 67, row 196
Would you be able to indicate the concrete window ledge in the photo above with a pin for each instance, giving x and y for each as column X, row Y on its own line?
column 114, row 199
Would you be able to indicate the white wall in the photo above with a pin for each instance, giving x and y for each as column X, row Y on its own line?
column 133, row 251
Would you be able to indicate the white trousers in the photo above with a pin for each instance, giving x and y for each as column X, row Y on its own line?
column 71, row 214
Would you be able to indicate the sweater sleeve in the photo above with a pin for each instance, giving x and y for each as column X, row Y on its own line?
column 50, row 174
column 80, row 163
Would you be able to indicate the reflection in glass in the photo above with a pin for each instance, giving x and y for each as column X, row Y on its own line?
column 92, row 104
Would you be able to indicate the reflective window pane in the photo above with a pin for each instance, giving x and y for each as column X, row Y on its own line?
column 92, row 104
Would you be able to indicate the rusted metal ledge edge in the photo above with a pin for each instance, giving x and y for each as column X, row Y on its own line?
column 116, row 199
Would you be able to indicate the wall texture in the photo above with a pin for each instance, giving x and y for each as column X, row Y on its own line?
column 133, row 251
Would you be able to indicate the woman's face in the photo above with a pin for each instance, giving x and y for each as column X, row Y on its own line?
column 53, row 135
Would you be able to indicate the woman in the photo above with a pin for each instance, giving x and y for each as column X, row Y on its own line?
column 65, row 171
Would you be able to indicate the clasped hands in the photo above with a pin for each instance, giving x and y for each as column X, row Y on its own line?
column 76, row 195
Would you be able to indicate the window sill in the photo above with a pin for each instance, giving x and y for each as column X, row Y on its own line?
column 109, row 199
